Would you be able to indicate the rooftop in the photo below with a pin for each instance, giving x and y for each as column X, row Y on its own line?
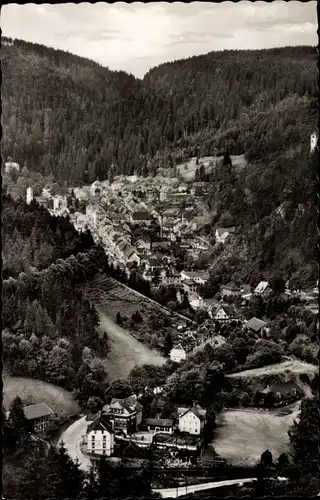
column 160, row 422
column 37, row 410
column 255, row 324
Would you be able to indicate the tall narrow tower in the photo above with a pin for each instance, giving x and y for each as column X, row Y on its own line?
column 313, row 141
column 29, row 195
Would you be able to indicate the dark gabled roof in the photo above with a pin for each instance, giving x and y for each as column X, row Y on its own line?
column 128, row 251
column 130, row 404
column 142, row 216
column 160, row 422
column 255, row 324
column 37, row 411
column 101, row 423
column 231, row 312
column 231, row 287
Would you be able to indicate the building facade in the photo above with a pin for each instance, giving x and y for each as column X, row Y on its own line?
column 126, row 414
column 99, row 438
column 40, row 415
column 191, row 420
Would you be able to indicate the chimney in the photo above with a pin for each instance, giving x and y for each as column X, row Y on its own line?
column 194, row 403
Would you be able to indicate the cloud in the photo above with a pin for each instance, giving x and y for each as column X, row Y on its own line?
column 134, row 37
column 192, row 37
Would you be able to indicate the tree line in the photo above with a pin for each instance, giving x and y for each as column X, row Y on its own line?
column 106, row 123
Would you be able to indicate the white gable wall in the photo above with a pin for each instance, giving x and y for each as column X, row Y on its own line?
column 100, row 442
column 190, row 423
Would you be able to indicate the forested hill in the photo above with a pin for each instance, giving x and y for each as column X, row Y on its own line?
column 63, row 113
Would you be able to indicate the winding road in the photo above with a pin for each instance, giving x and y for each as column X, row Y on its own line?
column 125, row 353
column 71, row 439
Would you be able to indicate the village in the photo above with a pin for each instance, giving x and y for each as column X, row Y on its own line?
column 154, row 231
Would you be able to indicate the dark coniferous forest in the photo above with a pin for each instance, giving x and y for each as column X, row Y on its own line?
column 63, row 115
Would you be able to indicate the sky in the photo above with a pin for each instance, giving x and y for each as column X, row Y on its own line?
column 135, row 37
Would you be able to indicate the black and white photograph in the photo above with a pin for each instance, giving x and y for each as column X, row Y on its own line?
column 160, row 277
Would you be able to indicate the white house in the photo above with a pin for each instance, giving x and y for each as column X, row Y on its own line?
column 221, row 235
column 56, row 204
column 200, row 277
column 262, row 288
column 223, row 313
column 178, row 353
column 192, row 419
column 313, row 141
column 163, row 425
column 99, row 439
column 96, row 188
column 29, row 195
column 164, row 191
column 10, row 166
column 130, row 255
column 80, row 194
column 195, row 300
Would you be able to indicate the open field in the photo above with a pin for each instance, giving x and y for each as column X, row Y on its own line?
column 188, row 174
column 293, row 366
column 36, row 391
column 243, row 435
column 125, row 351
column 111, row 297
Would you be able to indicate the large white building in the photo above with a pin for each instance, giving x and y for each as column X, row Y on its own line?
column 191, row 420
column 99, row 438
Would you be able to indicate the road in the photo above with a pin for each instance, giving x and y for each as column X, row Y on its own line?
column 71, row 439
column 183, row 490
column 126, row 352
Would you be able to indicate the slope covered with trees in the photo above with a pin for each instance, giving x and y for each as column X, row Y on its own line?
column 63, row 114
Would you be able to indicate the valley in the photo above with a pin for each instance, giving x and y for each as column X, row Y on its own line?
column 160, row 289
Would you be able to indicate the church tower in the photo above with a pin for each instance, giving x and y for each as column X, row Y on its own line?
column 29, row 195
column 313, row 141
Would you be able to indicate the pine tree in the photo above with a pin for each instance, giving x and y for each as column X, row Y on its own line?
column 167, row 344
column 304, row 439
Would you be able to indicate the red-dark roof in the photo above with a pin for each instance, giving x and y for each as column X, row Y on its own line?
column 101, row 423
column 160, row 422
column 142, row 216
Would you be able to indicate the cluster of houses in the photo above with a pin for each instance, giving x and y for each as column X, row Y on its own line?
column 219, row 313
column 122, row 420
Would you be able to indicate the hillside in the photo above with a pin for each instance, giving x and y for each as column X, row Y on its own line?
column 69, row 114
column 245, row 101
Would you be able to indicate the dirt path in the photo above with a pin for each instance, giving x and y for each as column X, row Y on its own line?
column 126, row 352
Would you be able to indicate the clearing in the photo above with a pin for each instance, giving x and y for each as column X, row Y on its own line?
column 35, row 391
column 243, row 435
column 125, row 351
column 287, row 371
column 188, row 174
column 293, row 366
column 111, row 297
